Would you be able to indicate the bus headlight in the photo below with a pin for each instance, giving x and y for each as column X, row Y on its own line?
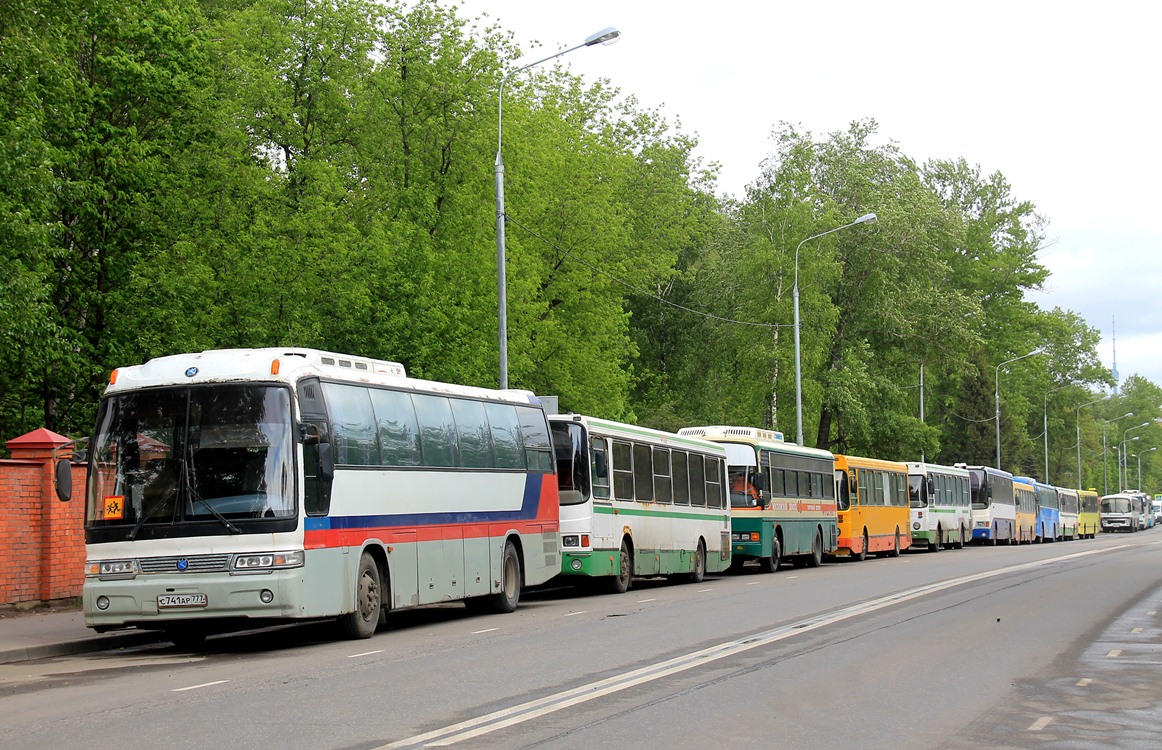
column 111, row 568
column 262, row 562
column 570, row 540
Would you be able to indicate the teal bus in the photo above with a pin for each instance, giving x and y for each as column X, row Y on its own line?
column 782, row 497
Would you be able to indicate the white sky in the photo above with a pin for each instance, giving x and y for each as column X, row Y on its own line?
column 1062, row 98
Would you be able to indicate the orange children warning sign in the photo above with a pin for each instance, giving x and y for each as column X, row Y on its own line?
column 114, row 507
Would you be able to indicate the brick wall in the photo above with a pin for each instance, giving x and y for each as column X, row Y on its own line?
column 42, row 540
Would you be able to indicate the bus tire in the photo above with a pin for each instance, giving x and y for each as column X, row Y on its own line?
column 362, row 622
column 771, row 564
column 863, row 550
column 699, row 564
column 896, row 546
column 620, row 583
column 505, row 600
column 934, row 545
column 959, row 543
column 815, row 559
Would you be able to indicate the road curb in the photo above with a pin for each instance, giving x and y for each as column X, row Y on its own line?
column 82, row 646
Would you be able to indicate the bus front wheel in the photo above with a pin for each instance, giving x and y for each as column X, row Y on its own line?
column 620, row 583
column 815, row 559
column 362, row 621
column 771, row 564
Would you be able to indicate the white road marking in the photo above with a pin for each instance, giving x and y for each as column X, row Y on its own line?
column 1135, row 631
column 365, row 653
column 570, row 614
column 1040, row 724
column 486, row 630
column 1083, row 682
column 1115, row 652
column 703, row 591
column 643, row 601
column 195, row 687
column 522, row 712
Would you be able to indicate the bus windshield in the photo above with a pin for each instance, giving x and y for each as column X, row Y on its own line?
column 978, row 489
column 220, row 454
column 572, row 465
column 1115, row 505
column 916, row 491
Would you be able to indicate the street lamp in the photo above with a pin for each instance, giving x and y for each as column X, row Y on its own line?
column 1125, row 467
column 1078, row 410
column 603, row 37
column 795, row 296
column 1045, row 426
column 1140, row 465
column 997, row 393
column 1105, row 472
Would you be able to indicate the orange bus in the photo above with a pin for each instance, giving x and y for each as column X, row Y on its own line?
column 873, row 506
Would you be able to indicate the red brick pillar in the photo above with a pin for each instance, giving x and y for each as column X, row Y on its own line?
column 53, row 531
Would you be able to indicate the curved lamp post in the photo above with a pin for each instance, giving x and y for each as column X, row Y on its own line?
column 1125, row 467
column 1140, row 465
column 1078, row 411
column 1045, row 425
column 1104, row 463
column 604, row 37
column 997, row 394
column 795, row 297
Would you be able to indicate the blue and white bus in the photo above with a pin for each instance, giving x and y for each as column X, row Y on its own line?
column 994, row 511
column 1048, row 524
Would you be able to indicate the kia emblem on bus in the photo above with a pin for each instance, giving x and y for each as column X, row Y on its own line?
column 191, row 372
column 183, row 563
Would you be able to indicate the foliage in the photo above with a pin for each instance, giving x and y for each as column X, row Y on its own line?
column 178, row 175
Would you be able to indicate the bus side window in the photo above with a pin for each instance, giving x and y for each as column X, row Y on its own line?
column 600, row 463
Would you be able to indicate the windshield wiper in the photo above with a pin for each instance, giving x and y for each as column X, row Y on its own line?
column 206, row 503
column 147, row 512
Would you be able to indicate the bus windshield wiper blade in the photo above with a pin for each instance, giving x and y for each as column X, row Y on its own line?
column 214, row 512
column 147, row 512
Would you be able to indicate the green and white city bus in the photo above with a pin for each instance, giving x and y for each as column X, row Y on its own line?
column 639, row 502
column 782, row 497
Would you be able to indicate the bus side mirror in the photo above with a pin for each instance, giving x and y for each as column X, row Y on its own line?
column 326, row 462
column 759, row 481
column 64, row 479
column 931, row 488
column 309, row 433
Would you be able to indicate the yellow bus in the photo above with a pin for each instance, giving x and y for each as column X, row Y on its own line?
column 1088, row 518
column 873, row 506
column 1026, row 511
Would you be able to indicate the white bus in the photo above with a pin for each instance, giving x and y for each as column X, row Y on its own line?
column 994, row 505
column 1070, row 505
column 1119, row 512
column 941, row 512
column 253, row 485
column 639, row 502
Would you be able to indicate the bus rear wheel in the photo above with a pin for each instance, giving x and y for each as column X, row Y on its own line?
column 863, row 550
column 505, row 600
column 699, row 564
column 896, row 547
column 362, row 621
column 815, row 559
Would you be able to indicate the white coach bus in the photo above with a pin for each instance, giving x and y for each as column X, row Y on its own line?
column 238, row 486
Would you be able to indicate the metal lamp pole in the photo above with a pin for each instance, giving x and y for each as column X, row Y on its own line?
column 997, row 394
column 1045, row 424
column 1104, row 462
column 1140, row 465
column 1125, row 468
column 604, row 37
column 795, row 297
column 1078, row 410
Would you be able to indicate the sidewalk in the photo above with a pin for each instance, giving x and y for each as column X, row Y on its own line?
column 41, row 634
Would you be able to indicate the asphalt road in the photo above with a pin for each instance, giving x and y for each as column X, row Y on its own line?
column 1038, row 646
